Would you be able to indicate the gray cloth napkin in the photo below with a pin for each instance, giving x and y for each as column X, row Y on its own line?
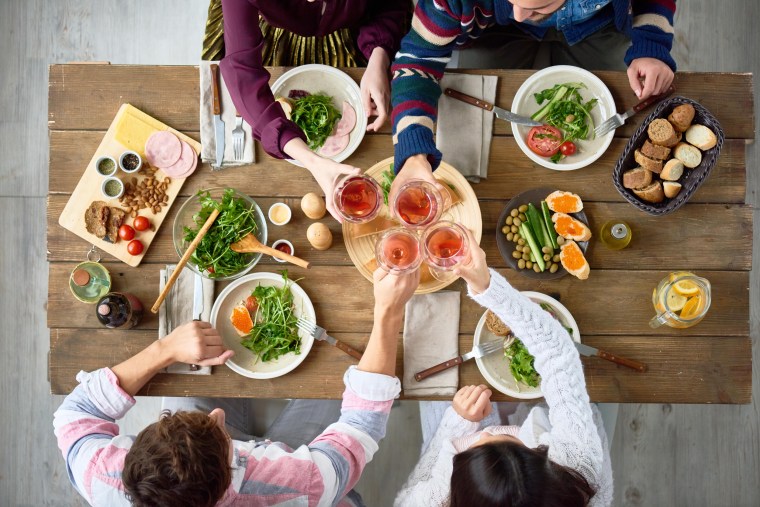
column 464, row 132
column 431, row 336
column 177, row 309
column 208, row 137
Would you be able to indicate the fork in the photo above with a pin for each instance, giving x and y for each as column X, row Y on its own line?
column 618, row 119
column 238, row 137
column 319, row 333
column 477, row 351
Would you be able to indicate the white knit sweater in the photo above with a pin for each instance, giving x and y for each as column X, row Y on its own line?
column 567, row 423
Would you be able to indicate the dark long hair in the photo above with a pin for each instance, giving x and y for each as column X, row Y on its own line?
column 509, row 474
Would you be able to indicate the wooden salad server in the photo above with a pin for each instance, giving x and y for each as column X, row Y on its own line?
column 249, row 244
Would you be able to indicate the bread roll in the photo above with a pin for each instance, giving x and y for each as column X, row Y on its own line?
column 671, row 188
column 637, row 178
column 662, row 133
column 701, row 137
column 650, row 164
column 681, row 117
column 651, row 193
column 673, row 170
column 654, row 151
column 688, row 154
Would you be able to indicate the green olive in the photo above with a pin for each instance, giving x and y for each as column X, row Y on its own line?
column 516, row 254
column 536, row 268
column 555, row 258
column 554, row 268
column 547, row 257
column 560, row 240
column 526, row 249
column 510, row 236
column 520, row 241
column 513, row 228
column 509, row 220
column 523, row 208
column 528, row 264
column 521, row 264
column 522, row 217
column 526, row 256
column 517, row 222
column 514, row 212
column 547, row 250
column 505, row 229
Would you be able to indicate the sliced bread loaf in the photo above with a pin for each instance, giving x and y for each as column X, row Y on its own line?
column 650, row 164
column 681, row 117
column 654, row 151
column 673, row 170
column 662, row 133
column 688, row 154
column 701, row 137
column 671, row 188
column 637, row 178
column 651, row 193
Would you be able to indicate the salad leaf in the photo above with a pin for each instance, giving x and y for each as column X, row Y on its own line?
column 521, row 364
column 316, row 116
column 386, row 180
column 566, row 110
column 275, row 329
column 236, row 219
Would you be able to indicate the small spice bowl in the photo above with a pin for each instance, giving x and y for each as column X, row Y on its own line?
column 283, row 245
column 280, row 213
column 112, row 187
column 106, row 166
column 130, row 162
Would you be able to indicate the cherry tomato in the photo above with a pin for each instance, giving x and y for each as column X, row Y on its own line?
column 135, row 247
column 126, row 232
column 211, row 270
column 567, row 148
column 544, row 140
column 141, row 223
column 251, row 303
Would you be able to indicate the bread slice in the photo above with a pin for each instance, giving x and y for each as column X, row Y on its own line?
column 564, row 202
column 681, row 117
column 637, row 178
column 570, row 228
column 651, row 193
column 650, row 164
column 115, row 220
column 688, row 154
column 654, row 151
column 701, row 137
column 662, row 133
column 671, row 188
column 673, row 170
column 495, row 325
column 96, row 218
column 572, row 259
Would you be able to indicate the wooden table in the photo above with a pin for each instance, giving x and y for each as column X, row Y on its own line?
column 711, row 235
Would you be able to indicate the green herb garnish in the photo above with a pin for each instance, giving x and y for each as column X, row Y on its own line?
column 566, row 110
column 236, row 219
column 275, row 329
column 386, row 180
column 316, row 116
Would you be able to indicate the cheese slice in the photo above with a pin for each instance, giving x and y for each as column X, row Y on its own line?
column 374, row 226
column 134, row 127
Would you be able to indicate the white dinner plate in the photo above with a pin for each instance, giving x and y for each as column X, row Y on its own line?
column 244, row 361
column 525, row 104
column 495, row 367
column 316, row 78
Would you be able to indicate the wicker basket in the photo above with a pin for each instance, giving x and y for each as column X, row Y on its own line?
column 691, row 179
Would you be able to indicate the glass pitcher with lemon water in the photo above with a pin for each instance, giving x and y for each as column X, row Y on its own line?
column 681, row 300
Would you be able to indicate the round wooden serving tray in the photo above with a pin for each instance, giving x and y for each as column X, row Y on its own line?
column 361, row 249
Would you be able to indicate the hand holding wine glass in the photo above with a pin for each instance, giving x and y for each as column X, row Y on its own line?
column 446, row 245
column 474, row 269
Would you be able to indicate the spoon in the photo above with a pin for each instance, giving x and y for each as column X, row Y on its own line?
column 249, row 244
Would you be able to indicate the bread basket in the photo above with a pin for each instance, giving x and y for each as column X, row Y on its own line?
column 691, row 179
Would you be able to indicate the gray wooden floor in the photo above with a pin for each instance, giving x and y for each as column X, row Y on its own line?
column 663, row 455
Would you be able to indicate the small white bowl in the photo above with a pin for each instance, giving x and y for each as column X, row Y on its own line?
column 281, row 242
column 288, row 211
column 108, row 180
column 101, row 159
column 139, row 162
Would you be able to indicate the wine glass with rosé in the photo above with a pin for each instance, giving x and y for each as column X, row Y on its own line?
column 419, row 203
column 358, row 199
column 445, row 246
column 398, row 251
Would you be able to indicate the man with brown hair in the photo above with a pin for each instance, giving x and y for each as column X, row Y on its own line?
column 188, row 458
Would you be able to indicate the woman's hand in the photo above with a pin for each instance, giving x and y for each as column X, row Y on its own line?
column 653, row 74
column 392, row 291
column 195, row 343
column 474, row 270
column 473, row 402
column 376, row 88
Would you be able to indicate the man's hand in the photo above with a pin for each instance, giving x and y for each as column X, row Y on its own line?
column 416, row 167
column 376, row 89
column 195, row 343
column 474, row 270
column 393, row 291
column 473, row 402
column 649, row 76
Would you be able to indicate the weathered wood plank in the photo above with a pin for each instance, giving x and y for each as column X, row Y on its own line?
column 728, row 96
column 509, row 173
column 610, row 302
column 692, row 235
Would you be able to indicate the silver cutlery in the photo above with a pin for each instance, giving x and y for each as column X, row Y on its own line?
column 217, row 109
column 590, row 351
column 319, row 333
column 500, row 113
column 197, row 306
column 238, row 137
column 618, row 119
column 481, row 350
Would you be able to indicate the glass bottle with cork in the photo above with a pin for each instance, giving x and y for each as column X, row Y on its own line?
column 616, row 234
column 119, row 310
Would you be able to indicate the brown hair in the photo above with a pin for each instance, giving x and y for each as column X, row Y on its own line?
column 508, row 474
column 183, row 459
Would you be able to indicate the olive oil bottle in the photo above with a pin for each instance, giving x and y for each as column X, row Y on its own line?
column 616, row 234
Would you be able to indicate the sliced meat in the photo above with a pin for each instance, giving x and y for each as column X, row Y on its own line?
column 333, row 145
column 163, row 149
column 185, row 165
column 347, row 121
column 96, row 218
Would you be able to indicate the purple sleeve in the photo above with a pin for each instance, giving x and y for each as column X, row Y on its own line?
column 385, row 23
column 248, row 81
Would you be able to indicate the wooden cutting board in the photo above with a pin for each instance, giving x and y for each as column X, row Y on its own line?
column 128, row 131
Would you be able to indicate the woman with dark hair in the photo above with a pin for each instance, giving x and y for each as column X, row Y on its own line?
column 551, row 454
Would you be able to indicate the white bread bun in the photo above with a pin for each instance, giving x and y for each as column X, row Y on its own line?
column 673, row 170
column 652, row 193
column 701, row 137
column 671, row 188
column 688, row 154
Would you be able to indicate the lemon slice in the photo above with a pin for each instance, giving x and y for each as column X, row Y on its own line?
column 686, row 288
column 691, row 308
column 678, row 274
column 675, row 301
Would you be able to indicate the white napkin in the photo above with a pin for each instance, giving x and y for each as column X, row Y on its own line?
column 431, row 336
column 208, row 137
column 178, row 307
column 464, row 132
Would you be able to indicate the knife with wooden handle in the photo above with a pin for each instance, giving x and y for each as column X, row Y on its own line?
column 589, row 351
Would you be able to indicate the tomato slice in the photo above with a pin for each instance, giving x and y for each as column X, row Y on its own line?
column 545, row 140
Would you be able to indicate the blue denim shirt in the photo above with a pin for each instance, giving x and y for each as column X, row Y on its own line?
column 577, row 19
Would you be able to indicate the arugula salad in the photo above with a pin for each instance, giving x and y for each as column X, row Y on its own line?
column 316, row 115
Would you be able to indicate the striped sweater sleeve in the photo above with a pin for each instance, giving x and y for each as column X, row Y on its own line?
column 88, row 437
column 652, row 31
column 417, row 69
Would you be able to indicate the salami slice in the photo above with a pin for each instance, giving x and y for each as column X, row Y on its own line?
column 185, row 165
column 347, row 121
column 333, row 145
column 163, row 149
